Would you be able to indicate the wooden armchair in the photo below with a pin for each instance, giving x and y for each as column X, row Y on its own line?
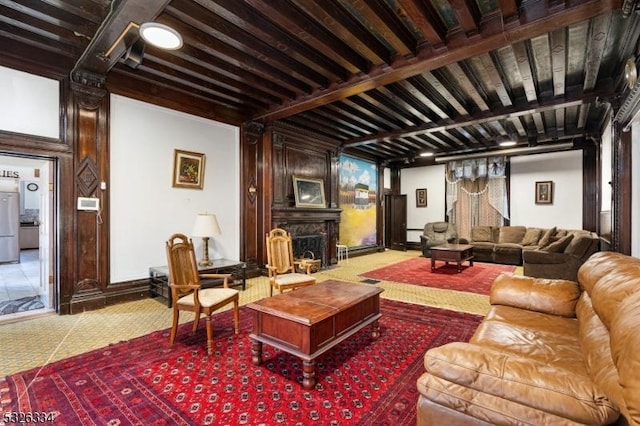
column 186, row 291
column 281, row 265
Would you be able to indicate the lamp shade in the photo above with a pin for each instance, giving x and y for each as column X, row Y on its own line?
column 206, row 226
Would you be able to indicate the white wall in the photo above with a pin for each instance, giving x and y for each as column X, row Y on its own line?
column 431, row 178
column 565, row 170
column 29, row 104
column 145, row 208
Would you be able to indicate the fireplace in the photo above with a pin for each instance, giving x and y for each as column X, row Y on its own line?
column 312, row 230
column 310, row 247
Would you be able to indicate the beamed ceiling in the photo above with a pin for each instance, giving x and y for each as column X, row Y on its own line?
column 384, row 79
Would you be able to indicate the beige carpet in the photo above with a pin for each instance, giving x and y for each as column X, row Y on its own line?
column 43, row 339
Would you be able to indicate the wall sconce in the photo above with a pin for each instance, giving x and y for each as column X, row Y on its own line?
column 206, row 226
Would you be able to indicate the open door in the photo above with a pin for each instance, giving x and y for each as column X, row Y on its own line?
column 395, row 222
column 45, row 243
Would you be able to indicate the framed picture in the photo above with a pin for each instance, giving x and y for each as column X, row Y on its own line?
column 188, row 169
column 544, row 192
column 308, row 192
column 421, row 197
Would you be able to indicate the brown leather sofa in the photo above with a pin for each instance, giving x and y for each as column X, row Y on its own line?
column 549, row 352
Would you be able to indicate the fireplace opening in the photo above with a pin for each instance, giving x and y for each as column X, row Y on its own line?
column 310, row 247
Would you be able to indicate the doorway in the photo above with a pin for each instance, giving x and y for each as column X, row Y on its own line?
column 26, row 283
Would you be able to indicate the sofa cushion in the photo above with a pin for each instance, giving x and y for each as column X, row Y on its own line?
column 481, row 234
column 440, row 226
column 531, row 237
column 546, row 237
column 560, row 245
column 579, row 245
column 511, row 234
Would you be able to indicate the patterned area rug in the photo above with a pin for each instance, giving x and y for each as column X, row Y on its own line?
column 474, row 279
column 20, row 305
column 146, row 381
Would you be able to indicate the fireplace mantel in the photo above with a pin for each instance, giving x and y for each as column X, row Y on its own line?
column 310, row 221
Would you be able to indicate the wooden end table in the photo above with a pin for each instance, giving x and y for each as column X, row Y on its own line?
column 309, row 321
column 457, row 253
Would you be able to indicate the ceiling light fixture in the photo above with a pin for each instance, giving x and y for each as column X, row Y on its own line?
column 508, row 143
column 426, row 154
column 160, row 35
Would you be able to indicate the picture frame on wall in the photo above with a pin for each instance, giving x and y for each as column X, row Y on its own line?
column 188, row 169
column 309, row 192
column 421, row 197
column 544, row 192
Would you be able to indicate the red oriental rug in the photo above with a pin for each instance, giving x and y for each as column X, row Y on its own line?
column 473, row 279
column 145, row 381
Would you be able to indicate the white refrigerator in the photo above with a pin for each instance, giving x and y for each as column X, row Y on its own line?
column 9, row 227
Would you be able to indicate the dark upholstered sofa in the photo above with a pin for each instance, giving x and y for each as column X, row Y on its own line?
column 544, row 253
column 549, row 352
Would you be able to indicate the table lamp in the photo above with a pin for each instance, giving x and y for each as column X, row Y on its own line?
column 206, row 226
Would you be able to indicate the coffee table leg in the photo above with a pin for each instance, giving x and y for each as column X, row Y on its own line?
column 308, row 374
column 433, row 263
column 256, row 352
column 459, row 267
column 375, row 330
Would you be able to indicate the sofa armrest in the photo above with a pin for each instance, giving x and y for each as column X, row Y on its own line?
column 541, row 256
column 556, row 297
column 525, row 381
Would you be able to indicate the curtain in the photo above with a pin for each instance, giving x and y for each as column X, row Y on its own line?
column 476, row 193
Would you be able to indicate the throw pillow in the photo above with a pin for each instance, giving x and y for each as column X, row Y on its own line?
column 560, row 245
column 531, row 237
column 546, row 237
column 579, row 245
column 561, row 233
column 481, row 233
column 511, row 234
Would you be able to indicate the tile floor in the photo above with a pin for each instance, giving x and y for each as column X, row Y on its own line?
column 18, row 280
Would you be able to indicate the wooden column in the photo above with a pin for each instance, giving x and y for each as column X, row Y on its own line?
column 621, row 190
column 88, row 111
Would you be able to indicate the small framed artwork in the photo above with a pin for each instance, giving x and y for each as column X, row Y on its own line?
column 421, row 197
column 544, row 192
column 308, row 192
column 188, row 169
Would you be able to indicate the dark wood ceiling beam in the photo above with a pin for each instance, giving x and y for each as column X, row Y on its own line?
column 558, row 60
column 37, row 41
column 596, row 43
column 342, row 122
column 468, row 15
column 333, row 16
column 427, row 21
column 215, row 78
column 93, row 59
column 198, row 38
column 353, row 116
column 528, row 28
column 399, row 95
column 168, row 71
column 385, row 22
column 121, row 81
column 524, row 67
column 62, row 15
column 93, row 11
column 257, row 83
column 442, row 89
column 463, row 80
column 370, row 112
column 498, row 114
column 288, row 16
column 381, row 105
column 206, row 21
column 509, row 11
column 492, row 72
column 244, row 17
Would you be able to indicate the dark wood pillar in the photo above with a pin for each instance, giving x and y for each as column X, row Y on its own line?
column 253, row 192
column 591, row 183
column 621, row 190
column 87, row 115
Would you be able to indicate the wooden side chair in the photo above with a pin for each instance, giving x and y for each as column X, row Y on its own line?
column 281, row 264
column 186, row 291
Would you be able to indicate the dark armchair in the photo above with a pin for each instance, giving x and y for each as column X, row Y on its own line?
column 436, row 233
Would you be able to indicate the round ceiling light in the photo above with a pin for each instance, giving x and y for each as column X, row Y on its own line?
column 161, row 35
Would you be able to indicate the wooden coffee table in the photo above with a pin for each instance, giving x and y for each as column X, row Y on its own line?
column 457, row 253
column 309, row 321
